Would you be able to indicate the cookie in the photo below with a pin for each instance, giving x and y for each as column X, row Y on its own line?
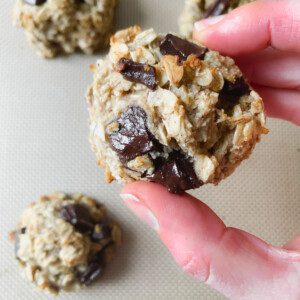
column 63, row 26
column 64, row 241
column 167, row 110
column 195, row 10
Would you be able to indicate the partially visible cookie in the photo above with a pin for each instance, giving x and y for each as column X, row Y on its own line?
column 168, row 110
column 64, row 241
column 195, row 10
column 64, row 26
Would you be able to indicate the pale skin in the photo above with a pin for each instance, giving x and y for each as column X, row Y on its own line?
column 264, row 38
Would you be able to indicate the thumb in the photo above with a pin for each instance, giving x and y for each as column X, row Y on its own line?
column 232, row 261
column 253, row 27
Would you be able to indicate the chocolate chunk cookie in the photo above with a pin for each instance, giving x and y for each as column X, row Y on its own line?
column 65, row 241
column 167, row 110
column 64, row 26
column 195, row 10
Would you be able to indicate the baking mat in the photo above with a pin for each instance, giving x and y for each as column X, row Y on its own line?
column 44, row 148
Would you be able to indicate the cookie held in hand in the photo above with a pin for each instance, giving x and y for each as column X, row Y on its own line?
column 168, row 110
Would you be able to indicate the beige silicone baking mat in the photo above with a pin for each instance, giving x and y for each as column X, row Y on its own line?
column 44, row 148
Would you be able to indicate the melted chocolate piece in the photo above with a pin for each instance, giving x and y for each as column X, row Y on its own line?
column 95, row 267
column 176, row 173
column 173, row 45
column 79, row 216
column 231, row 93
column 101, row 232
column 136, row 72
column 216, row 9
column 35, row 2
column 93, row 271
column 133, row 138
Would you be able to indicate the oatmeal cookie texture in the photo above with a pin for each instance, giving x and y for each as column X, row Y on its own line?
column 64, row 26
column 168, row 110
column 64, row 241
column 195, row 10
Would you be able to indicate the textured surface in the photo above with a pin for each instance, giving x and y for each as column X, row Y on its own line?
column 44, row 147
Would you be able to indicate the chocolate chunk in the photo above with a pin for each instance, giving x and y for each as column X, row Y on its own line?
column 133, row 137
column 176, row 173
column 23, row 230
column 218, row 8
column 35, row 2
column 95, row 267
column 93, row 271
column 101, row 232
column 231, row 93
column 79, row 216
column 173, row 45
column 136, row 72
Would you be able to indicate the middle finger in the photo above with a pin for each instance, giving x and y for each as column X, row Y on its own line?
column 272, row 68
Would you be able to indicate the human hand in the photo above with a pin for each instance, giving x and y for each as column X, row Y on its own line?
column 236, row 263
column 232, row 261
column 264, row 39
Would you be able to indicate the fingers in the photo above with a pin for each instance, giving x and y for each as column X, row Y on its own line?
column 293, row 244
column 276, row 76
column 281, row 103
column 176, row 220
column 234, row 262
column 253, row 27
column 272, row 68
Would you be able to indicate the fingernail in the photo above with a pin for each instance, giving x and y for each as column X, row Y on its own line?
column 140, row 210
column 203, row 24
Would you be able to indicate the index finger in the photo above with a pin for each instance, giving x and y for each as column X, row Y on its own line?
column 253, row 27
